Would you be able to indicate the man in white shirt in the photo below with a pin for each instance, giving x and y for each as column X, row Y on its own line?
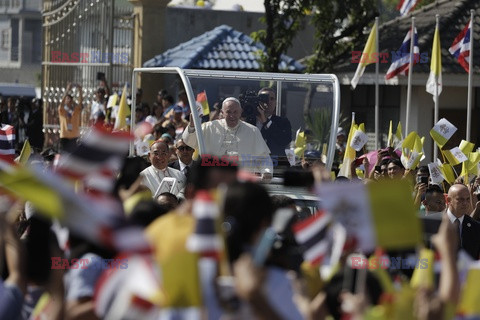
column 467, row 229
column 234, row 138
column 158, row 171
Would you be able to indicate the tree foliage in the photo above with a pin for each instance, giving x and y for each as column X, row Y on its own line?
column 283, row 19
column 339, row 26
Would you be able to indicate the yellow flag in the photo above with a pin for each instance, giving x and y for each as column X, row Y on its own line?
column 398, row 133
column 447, row 172
column 394, row 215
column 466, row 147
column 350, row 153
column 423, row 275
column 434, row 82
column 390, row 135
column 25, row 153
column 367, row 56
column 180, row 277
column 473, row 160
column 470, row 296
column 412, row 150
column 300, row 143
column 121, row 120
column 24, row 185
column 382, row 274
column 313, row 280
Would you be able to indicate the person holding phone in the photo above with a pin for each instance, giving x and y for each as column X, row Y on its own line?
column 69, row 115
column 275, row 130
column 421, row 185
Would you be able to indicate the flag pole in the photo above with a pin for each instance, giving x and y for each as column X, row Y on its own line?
column 377, row 108
column 470, row 72
column 435, row 116
column 410, row 71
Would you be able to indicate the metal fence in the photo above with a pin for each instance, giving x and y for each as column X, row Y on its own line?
column 80, row 39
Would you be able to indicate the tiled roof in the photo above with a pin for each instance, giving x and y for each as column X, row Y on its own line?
column 454, row 15
column 221, row 48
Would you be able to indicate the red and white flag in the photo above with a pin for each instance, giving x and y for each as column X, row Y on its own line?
column 7, row 143
column 460, row 48
column 406, row 6
column 311, row 234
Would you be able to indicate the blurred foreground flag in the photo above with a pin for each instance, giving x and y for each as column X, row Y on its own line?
column 423, row 277
column 7, row 142
column 100, row 152
column 22, row 183
column 311, row 234
column 380, row 214
column 468, row 307
column 442, row 131
column 205, row 240
column 25, row 153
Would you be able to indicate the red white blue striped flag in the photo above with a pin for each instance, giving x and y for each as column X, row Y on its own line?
column 401, row 59
column 7, row 143
column 205, row 240
column 97, row 159
column 311, row 234
column 460, row 48
column 405, row 6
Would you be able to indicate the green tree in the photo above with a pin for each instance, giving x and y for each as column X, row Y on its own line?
column 283, row 19
column 338, row 26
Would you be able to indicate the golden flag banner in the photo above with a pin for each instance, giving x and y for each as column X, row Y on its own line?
column 24, row 185
column 423, row 276
column 468, row 305
column 394, row 215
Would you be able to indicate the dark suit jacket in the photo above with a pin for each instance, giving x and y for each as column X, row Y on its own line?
column 176, row 165
column 278, row 135
column 471, row 236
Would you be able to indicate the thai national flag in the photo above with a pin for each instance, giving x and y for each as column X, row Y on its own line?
column 311, row 234
column 7, row 142
column 401, row 59
column 205, row 240
column 97, row 159
column 461, row 46
column 405, row 6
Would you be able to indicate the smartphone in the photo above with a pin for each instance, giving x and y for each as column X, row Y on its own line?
column 422, row 179
column 100, row 76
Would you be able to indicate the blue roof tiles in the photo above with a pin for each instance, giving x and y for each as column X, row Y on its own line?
column 221, row 48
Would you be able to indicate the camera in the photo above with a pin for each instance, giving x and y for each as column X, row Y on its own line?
column 250, row 101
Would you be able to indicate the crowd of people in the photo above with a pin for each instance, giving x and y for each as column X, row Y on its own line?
column 214, row 248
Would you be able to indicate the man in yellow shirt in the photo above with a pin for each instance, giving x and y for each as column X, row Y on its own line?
column 69, row 115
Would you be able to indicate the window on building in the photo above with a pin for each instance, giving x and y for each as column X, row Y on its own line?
column 5, row 39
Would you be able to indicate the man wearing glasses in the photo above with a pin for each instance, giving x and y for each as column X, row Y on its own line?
column 276, row 131
column 158, row 177
column 184, row 155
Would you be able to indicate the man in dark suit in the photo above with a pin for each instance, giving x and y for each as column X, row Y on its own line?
column 276, row 131
column 459, row 207
column 184, row 155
